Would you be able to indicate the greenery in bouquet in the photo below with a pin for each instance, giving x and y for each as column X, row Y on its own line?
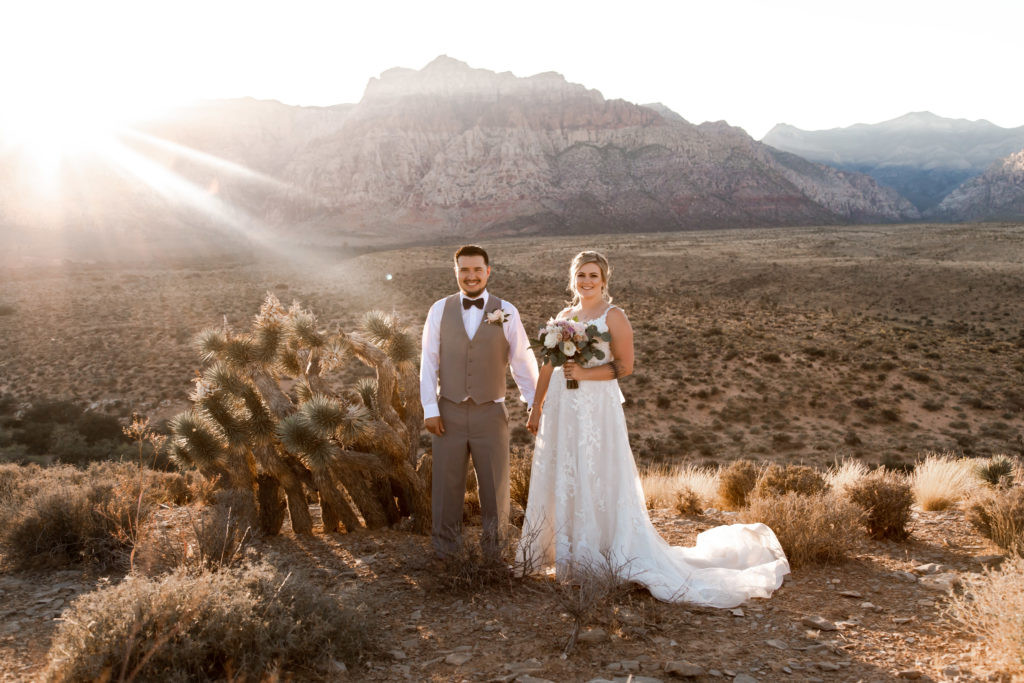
column 563, row 340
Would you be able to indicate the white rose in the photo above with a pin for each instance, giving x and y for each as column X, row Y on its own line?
column 568, row 348
column 551, row 339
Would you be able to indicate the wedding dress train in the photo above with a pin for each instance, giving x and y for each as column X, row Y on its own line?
column 587, row 509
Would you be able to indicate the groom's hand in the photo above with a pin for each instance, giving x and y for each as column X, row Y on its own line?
column 434, row 425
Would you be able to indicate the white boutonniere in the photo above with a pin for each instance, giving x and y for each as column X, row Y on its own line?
column 497, row 317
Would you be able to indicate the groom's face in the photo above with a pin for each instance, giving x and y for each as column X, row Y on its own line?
column 472, row 274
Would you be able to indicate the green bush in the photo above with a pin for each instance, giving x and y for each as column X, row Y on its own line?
column 885, row 498
column 736, row 482
column 996, row 471
column 246, row 623
column 777, row 480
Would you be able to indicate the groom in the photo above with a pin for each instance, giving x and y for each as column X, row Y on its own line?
column 469, row 339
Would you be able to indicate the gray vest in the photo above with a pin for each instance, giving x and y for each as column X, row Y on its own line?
column 472, row 367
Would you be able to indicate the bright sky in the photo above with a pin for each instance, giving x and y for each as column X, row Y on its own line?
column 753, row 63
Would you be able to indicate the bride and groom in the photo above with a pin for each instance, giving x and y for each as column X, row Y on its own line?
column 586, row 507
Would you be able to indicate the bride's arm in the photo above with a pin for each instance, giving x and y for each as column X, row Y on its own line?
column 533, row 423
column 622, row 352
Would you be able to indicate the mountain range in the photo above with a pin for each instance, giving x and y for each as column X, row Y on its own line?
column 451, row 152
column 922, row 156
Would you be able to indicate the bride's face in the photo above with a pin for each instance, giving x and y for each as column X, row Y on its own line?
column 589, row 282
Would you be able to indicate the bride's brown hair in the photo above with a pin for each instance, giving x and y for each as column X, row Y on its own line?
column 580, row 260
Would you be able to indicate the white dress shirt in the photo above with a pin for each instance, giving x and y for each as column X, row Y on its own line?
column 521, row 359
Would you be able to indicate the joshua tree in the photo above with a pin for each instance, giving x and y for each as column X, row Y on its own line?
column 268, row 418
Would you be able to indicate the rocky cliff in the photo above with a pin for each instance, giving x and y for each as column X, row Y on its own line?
column 997, row 194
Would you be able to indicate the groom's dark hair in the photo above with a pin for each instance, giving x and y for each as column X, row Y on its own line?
column 471, row 250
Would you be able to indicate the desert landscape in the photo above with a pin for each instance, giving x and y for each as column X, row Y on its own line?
column 844, row 349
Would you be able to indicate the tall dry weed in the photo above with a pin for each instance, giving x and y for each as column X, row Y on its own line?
column 998, row 515
column 735, row 482
column 814, row 529
column 941, row 481
column 990, row 606
column 885, row 497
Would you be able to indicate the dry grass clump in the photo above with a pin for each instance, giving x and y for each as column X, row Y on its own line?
column 998, row 515
column 520, row 464
column 470, row 569
column 246, row 623
column 93, row 523
column 584, row 588
column 663, row 488
column 735, row 483
column 814, row 529
column 941, row 481
column 990, row 607
column 845, row 474
column 777, row 480
column 885, row 497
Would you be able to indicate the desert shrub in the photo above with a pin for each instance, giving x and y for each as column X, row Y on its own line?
column 777, row 480
column 995, row 471
column 941, row 481
column 990, row 606
column 814, row 529
column 998, row 515
column 735, row 483
column 520, row 464
column 663, row 486
column 251, row 622
column 94, row 523
column 688, row 502
column 885, row 498
column 469, row 569
column 843, row 475
column 584, row 589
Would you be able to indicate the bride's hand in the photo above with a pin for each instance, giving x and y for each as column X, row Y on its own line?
column 570, row 369
column 533, row 423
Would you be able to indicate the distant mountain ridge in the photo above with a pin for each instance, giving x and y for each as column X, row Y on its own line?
column 454, row 152
column 997, row 194
column 922, row 156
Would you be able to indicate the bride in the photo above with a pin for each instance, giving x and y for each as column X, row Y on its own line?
column 586, row 507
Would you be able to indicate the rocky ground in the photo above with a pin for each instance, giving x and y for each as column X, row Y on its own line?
column 882, row 615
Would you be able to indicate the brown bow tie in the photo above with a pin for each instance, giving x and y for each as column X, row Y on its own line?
column 469, row 303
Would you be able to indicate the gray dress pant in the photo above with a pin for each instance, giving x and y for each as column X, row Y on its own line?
column 479, row 431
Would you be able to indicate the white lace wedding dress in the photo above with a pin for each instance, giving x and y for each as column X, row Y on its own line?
column 587, row 509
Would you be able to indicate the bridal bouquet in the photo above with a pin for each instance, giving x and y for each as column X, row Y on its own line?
column 564, row 340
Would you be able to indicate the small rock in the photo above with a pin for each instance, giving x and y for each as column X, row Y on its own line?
column 684, row 669
column 868, row 605
column 902, row 620
column 614, row 666
column 397, row 655
column 820, row 623
column 630, row 665
column 909, row 674
column 737, row 612
column 930, row 568
column 851, row 594
column 905, row 576
column 640, row 679
column 458, row 658
column 338, row 667
column 401, row 669
column 416, row 615
column 828, row 666
column 594, row 635
column 527, row 678
column 463, row 648
column 951, row 671
column 941, row 582
column 744, row 678
column 714, row 673
column 411, row 643
column 990, row 560
column 530, row 666
column 777, row 644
